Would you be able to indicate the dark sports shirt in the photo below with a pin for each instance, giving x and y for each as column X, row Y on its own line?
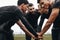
column 56, row 5
column 33, row 18
column 8, row 17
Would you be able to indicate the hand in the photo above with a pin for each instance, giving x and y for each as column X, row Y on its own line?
column 40, row 36
column 33, row 36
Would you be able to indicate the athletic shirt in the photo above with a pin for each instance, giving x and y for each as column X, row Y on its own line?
column 57, row 20
column 9, row 15
column 33, row 18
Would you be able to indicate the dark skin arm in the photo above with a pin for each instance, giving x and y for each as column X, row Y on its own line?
column 54, row 14
column 24, row 28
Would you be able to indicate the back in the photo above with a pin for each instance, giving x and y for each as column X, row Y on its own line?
column 7, row 17
column 5, row 12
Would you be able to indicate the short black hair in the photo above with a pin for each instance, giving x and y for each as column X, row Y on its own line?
column 30, row 4
column 22, row 1
column 38, row 1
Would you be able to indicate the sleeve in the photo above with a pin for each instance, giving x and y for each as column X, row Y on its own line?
column 56, row 5
column 25, row 22
column 41, row 23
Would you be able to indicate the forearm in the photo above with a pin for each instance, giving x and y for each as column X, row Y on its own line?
column 24, row 29
column 27, row 32
column 46, row 27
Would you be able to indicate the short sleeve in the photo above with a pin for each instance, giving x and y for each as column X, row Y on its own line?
column 56, row 5
column 17, row 14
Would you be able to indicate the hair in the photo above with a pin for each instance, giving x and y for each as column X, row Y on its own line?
column 38, row 1
column 21, row 2
column 30, row 4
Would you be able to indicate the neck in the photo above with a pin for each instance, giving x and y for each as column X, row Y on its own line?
column 40, row 12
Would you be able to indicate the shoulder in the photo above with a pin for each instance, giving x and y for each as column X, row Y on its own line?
column 7, row 8
column 14, row 8
column 56, row 5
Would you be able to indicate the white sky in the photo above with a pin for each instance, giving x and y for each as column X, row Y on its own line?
column 16, row 28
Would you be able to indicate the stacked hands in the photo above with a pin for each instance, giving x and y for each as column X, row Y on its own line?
column 39, row 37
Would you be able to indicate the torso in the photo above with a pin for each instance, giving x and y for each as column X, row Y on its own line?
column 32, row 18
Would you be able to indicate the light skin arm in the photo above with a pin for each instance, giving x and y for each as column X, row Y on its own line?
column 54, row 14
column 24, row 28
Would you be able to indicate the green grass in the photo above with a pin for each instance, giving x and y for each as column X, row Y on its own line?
column 47, row 37
column 19, row 37
column 22, row 37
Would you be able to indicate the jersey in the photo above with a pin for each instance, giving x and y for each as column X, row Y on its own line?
column 8, row 17
column 33, row 18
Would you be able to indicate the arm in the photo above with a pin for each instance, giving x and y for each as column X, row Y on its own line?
column 54, row 14
column 24, row 28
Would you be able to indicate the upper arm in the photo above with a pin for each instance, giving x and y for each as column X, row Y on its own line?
column 54, row 14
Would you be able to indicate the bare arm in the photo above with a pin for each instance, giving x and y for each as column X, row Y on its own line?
column 54, row 14
column 24, row 28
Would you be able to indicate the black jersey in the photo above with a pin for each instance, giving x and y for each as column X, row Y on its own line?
column 33, row 18
column 8, row 16
column 56, row 5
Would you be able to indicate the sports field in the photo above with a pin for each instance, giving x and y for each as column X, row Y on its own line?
column 22, row 37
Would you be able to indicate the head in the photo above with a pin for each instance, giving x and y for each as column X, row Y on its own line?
column 22, row 4
column 31, row 7
column 44, row 6
column 38, row 1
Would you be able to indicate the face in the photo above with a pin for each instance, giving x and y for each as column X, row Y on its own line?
column 31, row 9
column 44, row 6
column 25, row 7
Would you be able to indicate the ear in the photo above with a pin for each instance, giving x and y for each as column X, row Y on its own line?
column 22, row 5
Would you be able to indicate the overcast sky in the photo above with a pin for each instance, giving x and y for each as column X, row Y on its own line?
column 16, row 28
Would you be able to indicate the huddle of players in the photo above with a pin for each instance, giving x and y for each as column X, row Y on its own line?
column 9, row 15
